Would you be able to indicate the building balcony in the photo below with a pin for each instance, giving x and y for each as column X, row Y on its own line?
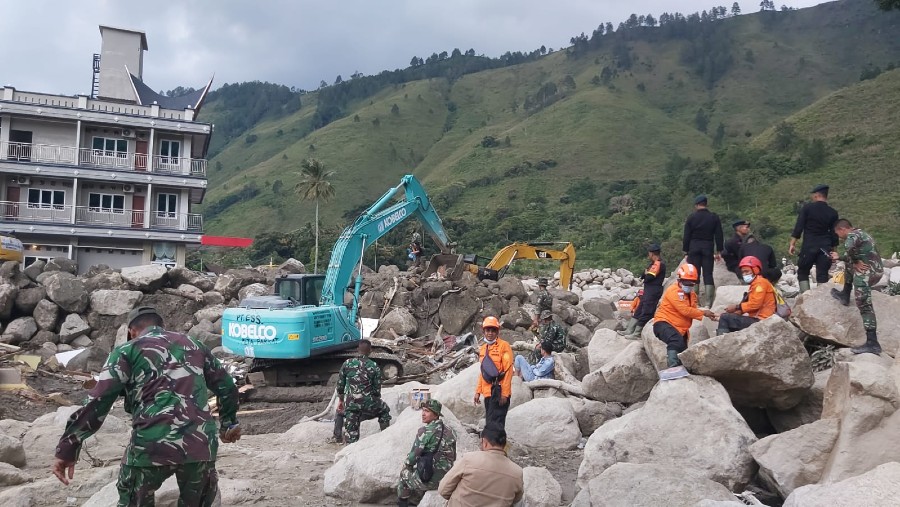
column 60, row 214
column 102, row 159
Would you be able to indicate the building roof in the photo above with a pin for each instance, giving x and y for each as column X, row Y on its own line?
column 142, row 34
column 147, row 96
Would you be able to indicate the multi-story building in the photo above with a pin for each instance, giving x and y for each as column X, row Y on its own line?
column 106, row 178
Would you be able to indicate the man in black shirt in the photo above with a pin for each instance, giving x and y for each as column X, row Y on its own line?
column 816, row 224
column 753, row 247
column 731, row 254
column 702, row 242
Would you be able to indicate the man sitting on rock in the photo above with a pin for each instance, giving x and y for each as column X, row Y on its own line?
column 543, row 369
column 551, row 332
column 434, row 439
column 677, row 310
column 759, row 301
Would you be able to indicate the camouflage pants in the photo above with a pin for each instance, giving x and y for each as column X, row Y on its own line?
column 357, row 411
column 412, row 487
column 198, row 484
column 862, row 292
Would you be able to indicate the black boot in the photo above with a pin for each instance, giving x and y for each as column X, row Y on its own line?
column 871, row 347
column 843, row 295
column 403, row 502
column 672, row 359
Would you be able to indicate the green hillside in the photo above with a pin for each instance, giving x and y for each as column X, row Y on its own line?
column 501, row 168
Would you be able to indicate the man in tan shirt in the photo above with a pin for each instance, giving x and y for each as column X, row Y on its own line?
column 485, row 478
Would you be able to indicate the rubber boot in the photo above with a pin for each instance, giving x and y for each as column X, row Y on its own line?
column 672, row 359
column 710, row 291
column 403, row 502
column 871, row 347
column 843, row 295
column 629, row 329
column 804, row 286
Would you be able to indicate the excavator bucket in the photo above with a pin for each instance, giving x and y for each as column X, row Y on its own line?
column 446, row 267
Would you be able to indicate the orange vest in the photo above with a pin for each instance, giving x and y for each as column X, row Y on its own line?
column 502, row 355
column 678, row 309
column 760, row 299
column 634, row 303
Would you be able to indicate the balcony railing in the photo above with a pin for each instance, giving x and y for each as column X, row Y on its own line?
column 103, row 159
column 101, row 217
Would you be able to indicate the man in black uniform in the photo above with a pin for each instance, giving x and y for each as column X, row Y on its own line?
column 653, row 278
column 816, row 224
column 731, row 253
column 753, row 247
column 702, row 242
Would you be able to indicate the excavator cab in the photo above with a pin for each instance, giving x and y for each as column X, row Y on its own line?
column 302, row 290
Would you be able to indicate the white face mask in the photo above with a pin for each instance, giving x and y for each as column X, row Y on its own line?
column 687, row 289
column 748, row 278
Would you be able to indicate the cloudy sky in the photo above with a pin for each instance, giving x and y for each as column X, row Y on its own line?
column 47, row 45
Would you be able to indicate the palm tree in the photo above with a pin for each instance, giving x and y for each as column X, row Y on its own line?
column 315, row 185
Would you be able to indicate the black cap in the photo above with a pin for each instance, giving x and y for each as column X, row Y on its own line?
column 139, row 312
column 740, row 223
column 654, row 247
column 820, row 188
column 700, row 199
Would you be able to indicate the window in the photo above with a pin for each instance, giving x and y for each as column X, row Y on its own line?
column 166, row 205
column 169, row 148
column 46, row 199
column 106, row 203
column 110, row 147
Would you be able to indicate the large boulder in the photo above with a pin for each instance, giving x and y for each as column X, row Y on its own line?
column 107, row 279
column 457, row 311
column 865, row 399
column 46, row 313
column 114, row 302
column 146, row 278
column 20, row 330
column 180, row 275
column 605, row 344
column 8, row 294
column 879, row 487
column 11, row 476
column 602, row 308
column 626, row 378
column 511, row 287
column 66, row 291
column 210, row 313
column 544, row 423
column 796, row 458
column 11, row 451
column 632, row 484
column 764, row 365
column 253, row 290
column 400, row 320
column 63, row 264
column 728, row 295
column 686, row 424
column 654, row 347
column 27, row 299
column 457, row 393
column 579, row 335
column 73, row 327
column 593, row 414
column 809, row 409
column 34, row 269
column 367, row 470
column 541, row 489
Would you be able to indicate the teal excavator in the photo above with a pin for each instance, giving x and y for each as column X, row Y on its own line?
column 303, row 333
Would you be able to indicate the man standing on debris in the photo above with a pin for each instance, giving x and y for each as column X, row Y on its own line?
column 549, row 332
column 544, row 301
column 653, row 278
column 359, row 392
column 541, row 370
column 815, row 224
column 731, row 253
column 863, row 268
column 485, row 477
column 702, row 242
column 758, row 304
column 435, row 442
column 495, row 381
column 676, row 312
column 165, row 378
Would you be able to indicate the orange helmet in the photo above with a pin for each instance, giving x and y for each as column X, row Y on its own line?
column 687, row 272
column 490, row 322
column 752, row 263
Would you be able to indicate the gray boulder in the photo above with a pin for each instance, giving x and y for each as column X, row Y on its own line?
column 564, row 295
column 686, row 424
column 20, row 330
column 11, row 476
column 11, row 451
column 515, row 319
column 180, row 275
column 511, row 287
column 631, row 484
column 253, row 290
column 541, row 489
column 605, row 344
column 109, row 280
column 27, row 299
column 579, row 335
column 798, row 457
column 603, row 309
column 46, row 314
column 43, row 336
column 593, row 414
column 457, row 311
column 62, row 264
column 212, row 298
column 879, row 487
column 764, row 365
column 210, row 313
column 400, row 320
column 626, row 378
column 34, row 269
column 114, row 302
column 809, row 409
column 544, row 423
column 146, row 278
column 8, row 294
column 66, row 291
column 654, row 347
column 73, row 327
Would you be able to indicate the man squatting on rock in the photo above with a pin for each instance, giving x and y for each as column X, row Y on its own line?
column 550, row 332
column 434, row 441
column 359, row 392
column 495, row 381
column 166, row 378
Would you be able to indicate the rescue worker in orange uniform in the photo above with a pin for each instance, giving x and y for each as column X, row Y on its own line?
column 631, row 330
column 495, row 381
column 759, row 300
column 677, row 310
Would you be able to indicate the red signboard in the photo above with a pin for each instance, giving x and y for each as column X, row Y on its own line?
column 226, row 241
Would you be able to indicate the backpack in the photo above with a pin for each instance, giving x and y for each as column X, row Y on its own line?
column 781, row 307
column 425, row 461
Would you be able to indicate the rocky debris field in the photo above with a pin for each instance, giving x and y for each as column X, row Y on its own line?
column 765, row 419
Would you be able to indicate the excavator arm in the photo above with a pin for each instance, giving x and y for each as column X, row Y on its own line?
column 521, row 250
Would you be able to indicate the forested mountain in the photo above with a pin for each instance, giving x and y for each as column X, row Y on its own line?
column 602, row 143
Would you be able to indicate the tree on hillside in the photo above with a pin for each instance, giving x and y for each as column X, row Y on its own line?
column 315, row 185
column 735, row 9
column 888, row 4
column 767, row 5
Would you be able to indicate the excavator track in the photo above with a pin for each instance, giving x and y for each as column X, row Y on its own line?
column 318, row 370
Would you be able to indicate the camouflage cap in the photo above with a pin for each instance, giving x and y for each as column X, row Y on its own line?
column 139, row 312
column 542, row 281
column 434, row 406
column 546, row 314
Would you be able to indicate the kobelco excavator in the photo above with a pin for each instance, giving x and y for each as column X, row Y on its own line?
column 303, row 334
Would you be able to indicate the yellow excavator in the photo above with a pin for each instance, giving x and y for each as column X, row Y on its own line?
column 452, row 266
column 11, row 249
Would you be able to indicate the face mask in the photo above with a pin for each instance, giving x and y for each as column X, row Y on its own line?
column 687, row 289
column 748, row 278
column 490, row 342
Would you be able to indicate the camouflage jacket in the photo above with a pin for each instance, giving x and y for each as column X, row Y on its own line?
column 360, row 377
column 555, row 334
column 544, row 301
column 860, row 247
column 166, row 378
column 427, row 441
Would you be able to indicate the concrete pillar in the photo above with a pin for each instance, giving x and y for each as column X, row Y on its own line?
column 78, row 143
column 151, row 149
column 4, row 134
column 76, row 193
column 148, row 206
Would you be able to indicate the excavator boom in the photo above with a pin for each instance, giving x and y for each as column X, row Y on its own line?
column 522, row 250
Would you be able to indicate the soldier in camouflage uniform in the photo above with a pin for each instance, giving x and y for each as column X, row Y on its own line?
column 863, row 268
column 550, row 332
column 544, row 299
column 165, row 378
column 359, row 392
column 434, row 437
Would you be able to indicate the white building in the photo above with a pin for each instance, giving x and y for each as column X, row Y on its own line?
column 108, row 178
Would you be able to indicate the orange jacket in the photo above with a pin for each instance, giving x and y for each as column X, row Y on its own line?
column 634, row 303
column 502, row 355
column 760, row 299
column 678, row 309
